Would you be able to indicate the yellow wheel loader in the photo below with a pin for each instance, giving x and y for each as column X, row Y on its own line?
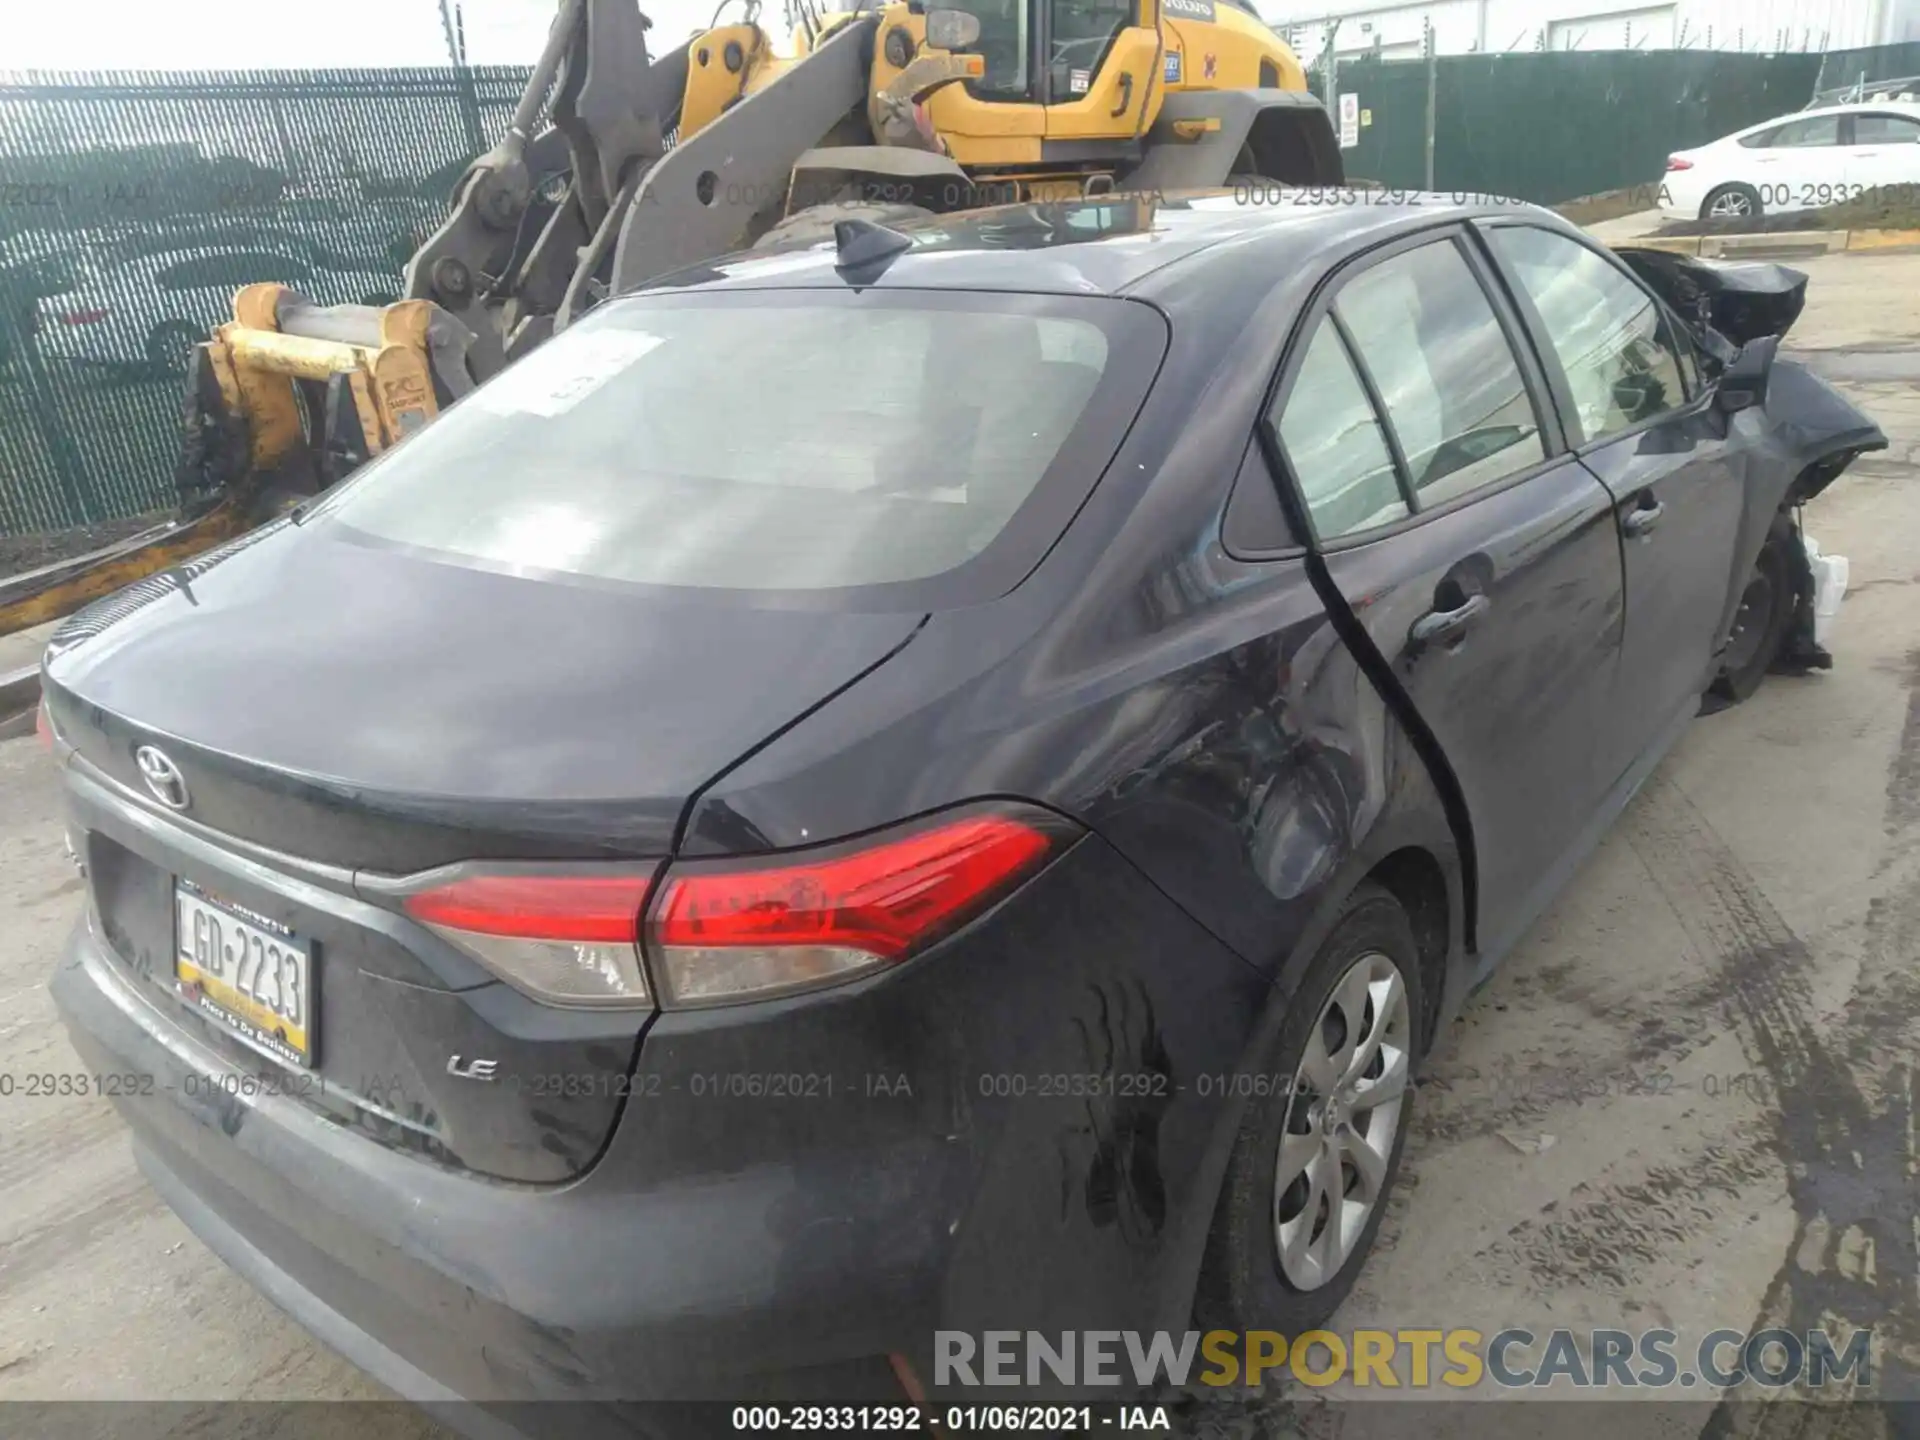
column 620, row 166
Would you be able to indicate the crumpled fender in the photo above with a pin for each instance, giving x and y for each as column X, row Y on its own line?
column 1739, row 300
column 1812, row 431
column 1729, row 304
column 1817, row 423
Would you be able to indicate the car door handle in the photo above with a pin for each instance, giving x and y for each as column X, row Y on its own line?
column 1438, row 625
column 1641, row 519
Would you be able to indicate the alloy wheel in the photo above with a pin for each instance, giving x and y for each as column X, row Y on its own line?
column 1347, row 1099
column 1732, row 203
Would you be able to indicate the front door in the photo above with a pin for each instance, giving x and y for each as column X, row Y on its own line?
column 1478, row 557
column 1099, row 60
column 1674, row 467
column 1883, row 157
column 1800, row 163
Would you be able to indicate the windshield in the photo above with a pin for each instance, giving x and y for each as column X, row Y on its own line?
column 789, row 440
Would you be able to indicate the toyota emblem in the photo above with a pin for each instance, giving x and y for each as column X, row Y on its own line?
column 163, row 777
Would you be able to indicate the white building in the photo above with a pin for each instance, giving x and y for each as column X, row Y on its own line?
column 1396, row 30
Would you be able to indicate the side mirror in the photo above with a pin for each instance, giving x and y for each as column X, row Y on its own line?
column 952, row 29
column 1743, row 384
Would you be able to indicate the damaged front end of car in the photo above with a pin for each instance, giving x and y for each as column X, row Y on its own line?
column 1748, row 306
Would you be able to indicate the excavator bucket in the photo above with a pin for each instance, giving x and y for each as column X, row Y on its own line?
column 281, row 402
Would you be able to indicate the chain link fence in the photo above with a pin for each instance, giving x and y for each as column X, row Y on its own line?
column 132, row 206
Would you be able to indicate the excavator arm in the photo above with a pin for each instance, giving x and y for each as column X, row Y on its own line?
column 618, row 167
column 595, row 115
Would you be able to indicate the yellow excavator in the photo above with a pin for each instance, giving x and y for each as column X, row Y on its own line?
column 620, row 166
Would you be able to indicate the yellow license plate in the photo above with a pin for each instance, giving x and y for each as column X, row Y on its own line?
column 249, row 974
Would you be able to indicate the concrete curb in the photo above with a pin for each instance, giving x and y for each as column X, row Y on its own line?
column 19, row 694
column 1780, row 243
column 1881, row 239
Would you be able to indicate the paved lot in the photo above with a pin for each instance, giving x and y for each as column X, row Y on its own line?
column 1688, row 1100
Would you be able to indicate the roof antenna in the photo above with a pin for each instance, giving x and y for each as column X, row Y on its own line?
column 861, row 243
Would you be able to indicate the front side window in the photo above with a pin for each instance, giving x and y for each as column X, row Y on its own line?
column 791, row 441
column 1609, row 334
column 1798, row 134
column 1448, row 381
column 1885, row 130
column 1334, row 445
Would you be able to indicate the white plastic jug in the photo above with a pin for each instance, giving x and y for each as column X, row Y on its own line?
column 1829, row 589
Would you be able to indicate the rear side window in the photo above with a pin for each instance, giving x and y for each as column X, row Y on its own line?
column 779, row 440
column 1815, row 130
column 1334, row 445
column 1452, row 390
column 1609, row 335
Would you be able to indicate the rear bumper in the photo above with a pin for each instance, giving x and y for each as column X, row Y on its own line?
column 445, row 1288
column 958, row 1177
column 1680, row 196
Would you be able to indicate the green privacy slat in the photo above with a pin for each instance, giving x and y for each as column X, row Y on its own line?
column 1590, row 121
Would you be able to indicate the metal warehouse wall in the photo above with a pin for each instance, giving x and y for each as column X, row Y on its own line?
column 1491, row 26
column 1550, row 127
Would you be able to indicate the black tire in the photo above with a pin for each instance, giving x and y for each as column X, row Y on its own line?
column 1243, row 1284
column 815, row 223
column 1768, row 603
column 1733, row 195
column 169, row 346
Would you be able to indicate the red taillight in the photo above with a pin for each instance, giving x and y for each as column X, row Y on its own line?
column 740, row 932
column 536, row 907
column 1674, row 162
column 730, row 931
column 82, row 317
column 565, row 939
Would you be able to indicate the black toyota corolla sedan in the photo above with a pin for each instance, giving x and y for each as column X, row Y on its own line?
column 941, row 780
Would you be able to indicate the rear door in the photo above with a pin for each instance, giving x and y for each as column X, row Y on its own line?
column 1478, row 556
column 1642, row 423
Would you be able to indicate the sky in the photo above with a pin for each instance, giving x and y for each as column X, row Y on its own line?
column 293, row 34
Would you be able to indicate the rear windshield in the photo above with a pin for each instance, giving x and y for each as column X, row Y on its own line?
column 774, row 440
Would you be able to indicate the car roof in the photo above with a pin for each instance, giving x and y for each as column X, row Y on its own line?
column 1111, row 245
column 1851, row 107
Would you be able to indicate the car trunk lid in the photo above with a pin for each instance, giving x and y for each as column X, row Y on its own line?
column 358, row 714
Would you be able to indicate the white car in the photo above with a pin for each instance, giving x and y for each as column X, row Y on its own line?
column 1799, row 162
column 151, row 310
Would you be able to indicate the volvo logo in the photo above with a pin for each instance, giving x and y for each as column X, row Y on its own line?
column 163, row 777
